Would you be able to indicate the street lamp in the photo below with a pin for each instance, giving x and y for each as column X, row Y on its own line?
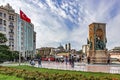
column 19, row 58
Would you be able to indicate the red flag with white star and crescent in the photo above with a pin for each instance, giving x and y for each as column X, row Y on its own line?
column 24, row 17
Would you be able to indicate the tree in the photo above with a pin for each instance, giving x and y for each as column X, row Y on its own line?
column 37, row 56
column 3, row 39
column 15, row 55
column 5, row 53
column 4, row 47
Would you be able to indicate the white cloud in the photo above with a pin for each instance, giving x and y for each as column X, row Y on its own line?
column 52, row 29
column 113, row 31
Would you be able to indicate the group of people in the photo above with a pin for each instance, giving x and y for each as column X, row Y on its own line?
column 32, row 62
column 66, row 60
column 71, row 61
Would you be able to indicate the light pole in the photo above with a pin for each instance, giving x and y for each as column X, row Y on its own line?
column 19, row 58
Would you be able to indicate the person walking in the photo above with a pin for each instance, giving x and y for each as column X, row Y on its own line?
column 88, row 60
column 66, row 60
column 39, row 62
column 72, row 62
column 108, row 60
column 32, row 62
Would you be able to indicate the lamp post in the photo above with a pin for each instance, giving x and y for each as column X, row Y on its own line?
column 19, row 58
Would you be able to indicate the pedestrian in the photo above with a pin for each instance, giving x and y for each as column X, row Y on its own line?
column 108, row 61
column 66, row 60
column 72, row 62
column 49, row 59
column 88, row 60
column 32, row 62
column 39, row 62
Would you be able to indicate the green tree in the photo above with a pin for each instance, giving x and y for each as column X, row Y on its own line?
column 15, row 55
column 5, row 53
column 37, row 56
column 3, row 39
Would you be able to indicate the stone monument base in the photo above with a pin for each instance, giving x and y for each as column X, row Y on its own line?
column 98, row 56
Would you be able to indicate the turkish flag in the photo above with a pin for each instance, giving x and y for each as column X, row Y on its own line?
column 24, row 17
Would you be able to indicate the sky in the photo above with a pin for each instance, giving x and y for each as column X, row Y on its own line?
column 66, row 21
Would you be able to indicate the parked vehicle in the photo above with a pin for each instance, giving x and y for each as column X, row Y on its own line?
column 44, row 59
column 52, row 58
column 48, row 58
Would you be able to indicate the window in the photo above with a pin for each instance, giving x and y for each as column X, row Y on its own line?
column 11, row 30
column 9, row 17
column 1, row 14
column 1, row 28
column 11, row 36
column 4, row 28
column 4, row 22
column 0, row 21
column 4, row 15
column 11, row 23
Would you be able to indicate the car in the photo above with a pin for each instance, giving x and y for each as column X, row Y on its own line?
column 47, row 59
column 44, row 59
column 52, row 58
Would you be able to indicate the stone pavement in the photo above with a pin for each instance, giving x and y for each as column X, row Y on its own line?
column 112, row 68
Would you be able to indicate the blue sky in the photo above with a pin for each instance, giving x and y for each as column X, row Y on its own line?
column 64, row 21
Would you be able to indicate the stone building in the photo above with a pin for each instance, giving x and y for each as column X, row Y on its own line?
column 85, row 49
column 20, row 34
column 44, row 51
column 8, row 23
column 115, row 53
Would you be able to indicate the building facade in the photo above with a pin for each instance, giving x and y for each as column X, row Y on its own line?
column 44, row 51
column 20, row 34
column 115, row 53
column 26, row 38
column 85, row 50
column 8, row 25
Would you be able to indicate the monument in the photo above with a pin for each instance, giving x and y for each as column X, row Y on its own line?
column 97, row 43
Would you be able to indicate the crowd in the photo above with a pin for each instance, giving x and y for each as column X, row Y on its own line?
column 67, row 60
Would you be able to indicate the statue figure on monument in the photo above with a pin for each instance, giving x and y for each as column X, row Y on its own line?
column 99, row 44
column 90, row 43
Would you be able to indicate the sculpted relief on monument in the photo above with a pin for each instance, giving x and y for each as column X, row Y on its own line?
column 91, row 36
column 100, row 45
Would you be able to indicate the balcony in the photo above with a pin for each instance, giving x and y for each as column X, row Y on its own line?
column 11, row 26
column 11, row 32
column 11, row 39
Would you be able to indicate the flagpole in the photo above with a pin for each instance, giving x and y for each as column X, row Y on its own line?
column 19, row 39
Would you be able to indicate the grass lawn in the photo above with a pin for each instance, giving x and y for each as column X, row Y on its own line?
column 6, row 77
column 55, row 71
column 33, row 73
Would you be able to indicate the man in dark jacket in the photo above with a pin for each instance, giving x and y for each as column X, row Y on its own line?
column 39, row 62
